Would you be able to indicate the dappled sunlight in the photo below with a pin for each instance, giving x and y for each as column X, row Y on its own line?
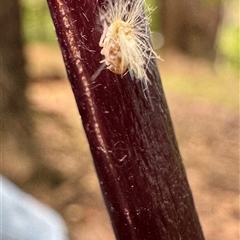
column 203, row 98
column 206, row 131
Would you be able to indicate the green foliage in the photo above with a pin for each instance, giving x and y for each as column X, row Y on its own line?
column 38, row 27
column 37, row 22
column 228, row 40
column 155, row 15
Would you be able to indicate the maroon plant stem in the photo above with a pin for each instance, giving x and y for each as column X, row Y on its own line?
column 133, row 145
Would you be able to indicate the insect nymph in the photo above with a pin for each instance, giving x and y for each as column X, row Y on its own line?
column 125, row 40
column 111, row 48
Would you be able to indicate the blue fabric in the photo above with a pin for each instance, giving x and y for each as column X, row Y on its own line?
column 25, row 218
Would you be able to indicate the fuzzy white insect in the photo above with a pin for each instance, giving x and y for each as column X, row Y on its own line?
column 125, row 40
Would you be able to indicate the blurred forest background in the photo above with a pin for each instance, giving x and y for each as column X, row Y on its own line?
column 44, row 149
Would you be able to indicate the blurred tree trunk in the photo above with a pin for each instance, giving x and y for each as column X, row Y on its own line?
column 21, row 155
column 191, row 26
column 15, row 114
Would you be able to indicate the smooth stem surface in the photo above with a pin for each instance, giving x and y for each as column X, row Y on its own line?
column 133, row 146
